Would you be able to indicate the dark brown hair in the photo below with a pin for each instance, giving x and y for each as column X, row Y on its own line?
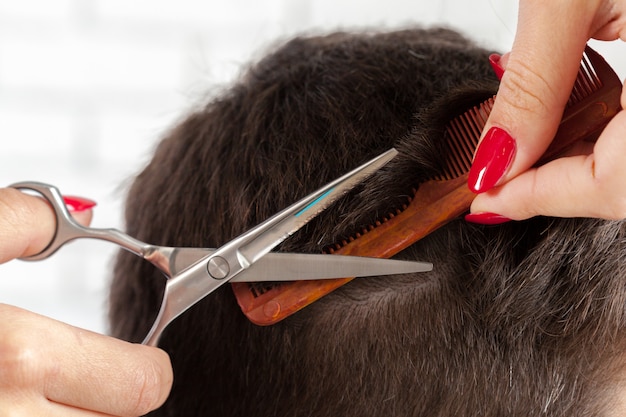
column 526, row 318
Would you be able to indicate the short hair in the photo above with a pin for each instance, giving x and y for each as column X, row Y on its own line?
column 525, row 318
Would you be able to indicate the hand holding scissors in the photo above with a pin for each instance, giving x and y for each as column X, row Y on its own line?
column 194, row 273
column 54, row 369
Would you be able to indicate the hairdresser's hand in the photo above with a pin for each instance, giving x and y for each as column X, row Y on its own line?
column 53, row 369
column 534, row 89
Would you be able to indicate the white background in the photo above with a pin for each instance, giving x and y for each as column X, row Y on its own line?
column 88, row 86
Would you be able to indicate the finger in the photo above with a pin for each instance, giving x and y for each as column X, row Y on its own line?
column 137, row 376
column 81, row 369
column 27, row 224
column 534, row 89
column 579, row 186
column 83, row 217
column 96, row 369
column 80, row 208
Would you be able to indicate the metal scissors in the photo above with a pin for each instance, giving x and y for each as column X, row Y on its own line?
column 193, row 273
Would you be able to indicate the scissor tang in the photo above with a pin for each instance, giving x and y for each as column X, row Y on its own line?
column 214, row 270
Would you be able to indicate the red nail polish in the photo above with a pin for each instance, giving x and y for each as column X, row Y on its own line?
column 494, row 60
column 486, row 218
column 76, row 204
column 493, row 157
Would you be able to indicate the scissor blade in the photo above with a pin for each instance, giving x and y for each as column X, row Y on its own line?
column 260, row 240
column 211, row 272
column 298, row 267
column 278, row 266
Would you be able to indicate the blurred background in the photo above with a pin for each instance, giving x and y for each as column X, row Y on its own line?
column 87, row 87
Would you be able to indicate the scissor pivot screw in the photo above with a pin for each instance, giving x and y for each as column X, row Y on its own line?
column 218, row 267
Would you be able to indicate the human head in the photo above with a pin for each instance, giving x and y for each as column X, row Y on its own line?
column 524, row 318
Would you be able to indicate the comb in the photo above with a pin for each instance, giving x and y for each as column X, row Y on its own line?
column 594, row 100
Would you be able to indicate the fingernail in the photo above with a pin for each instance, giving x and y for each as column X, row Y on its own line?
column 493, row 157
column 486, row 218
column 77, row 204
column 494, row 60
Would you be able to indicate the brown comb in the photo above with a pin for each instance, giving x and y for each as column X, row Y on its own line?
column 594, row 100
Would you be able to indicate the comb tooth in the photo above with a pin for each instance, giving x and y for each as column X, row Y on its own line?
column 454, row 162
column 587, row 82
column 470, row 127
column 586, row 79
column 594, row 78
column 486, row 108
column 479, row 118
column 471, row 130
column 575, row 96
column 475, row 123
column 582, row 87
column 452, row 166
column 463, row 133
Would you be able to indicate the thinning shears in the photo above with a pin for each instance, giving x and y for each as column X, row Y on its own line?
column 193, row 273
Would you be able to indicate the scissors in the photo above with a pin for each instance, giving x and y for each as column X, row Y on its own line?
column 193, row 273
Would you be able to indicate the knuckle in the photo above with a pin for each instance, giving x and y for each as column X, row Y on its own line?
column 24, row 362
column 20, row 362
column 533, row 199
column 519, row 90
column 612, row 204
column 608, row 172
column 147, row 383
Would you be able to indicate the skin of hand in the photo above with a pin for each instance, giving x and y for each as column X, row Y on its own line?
column 54, row 369
column 540, row 72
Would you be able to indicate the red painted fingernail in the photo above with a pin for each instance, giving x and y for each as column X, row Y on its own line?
column 493, row 157
column 494, row 60
column 486, row 218
column 76, row 204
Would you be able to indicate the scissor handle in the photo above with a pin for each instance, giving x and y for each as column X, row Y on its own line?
column 68, row 229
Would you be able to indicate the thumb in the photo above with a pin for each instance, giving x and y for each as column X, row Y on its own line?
column 540, row 73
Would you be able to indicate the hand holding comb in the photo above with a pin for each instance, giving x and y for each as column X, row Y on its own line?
column 594, row 100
